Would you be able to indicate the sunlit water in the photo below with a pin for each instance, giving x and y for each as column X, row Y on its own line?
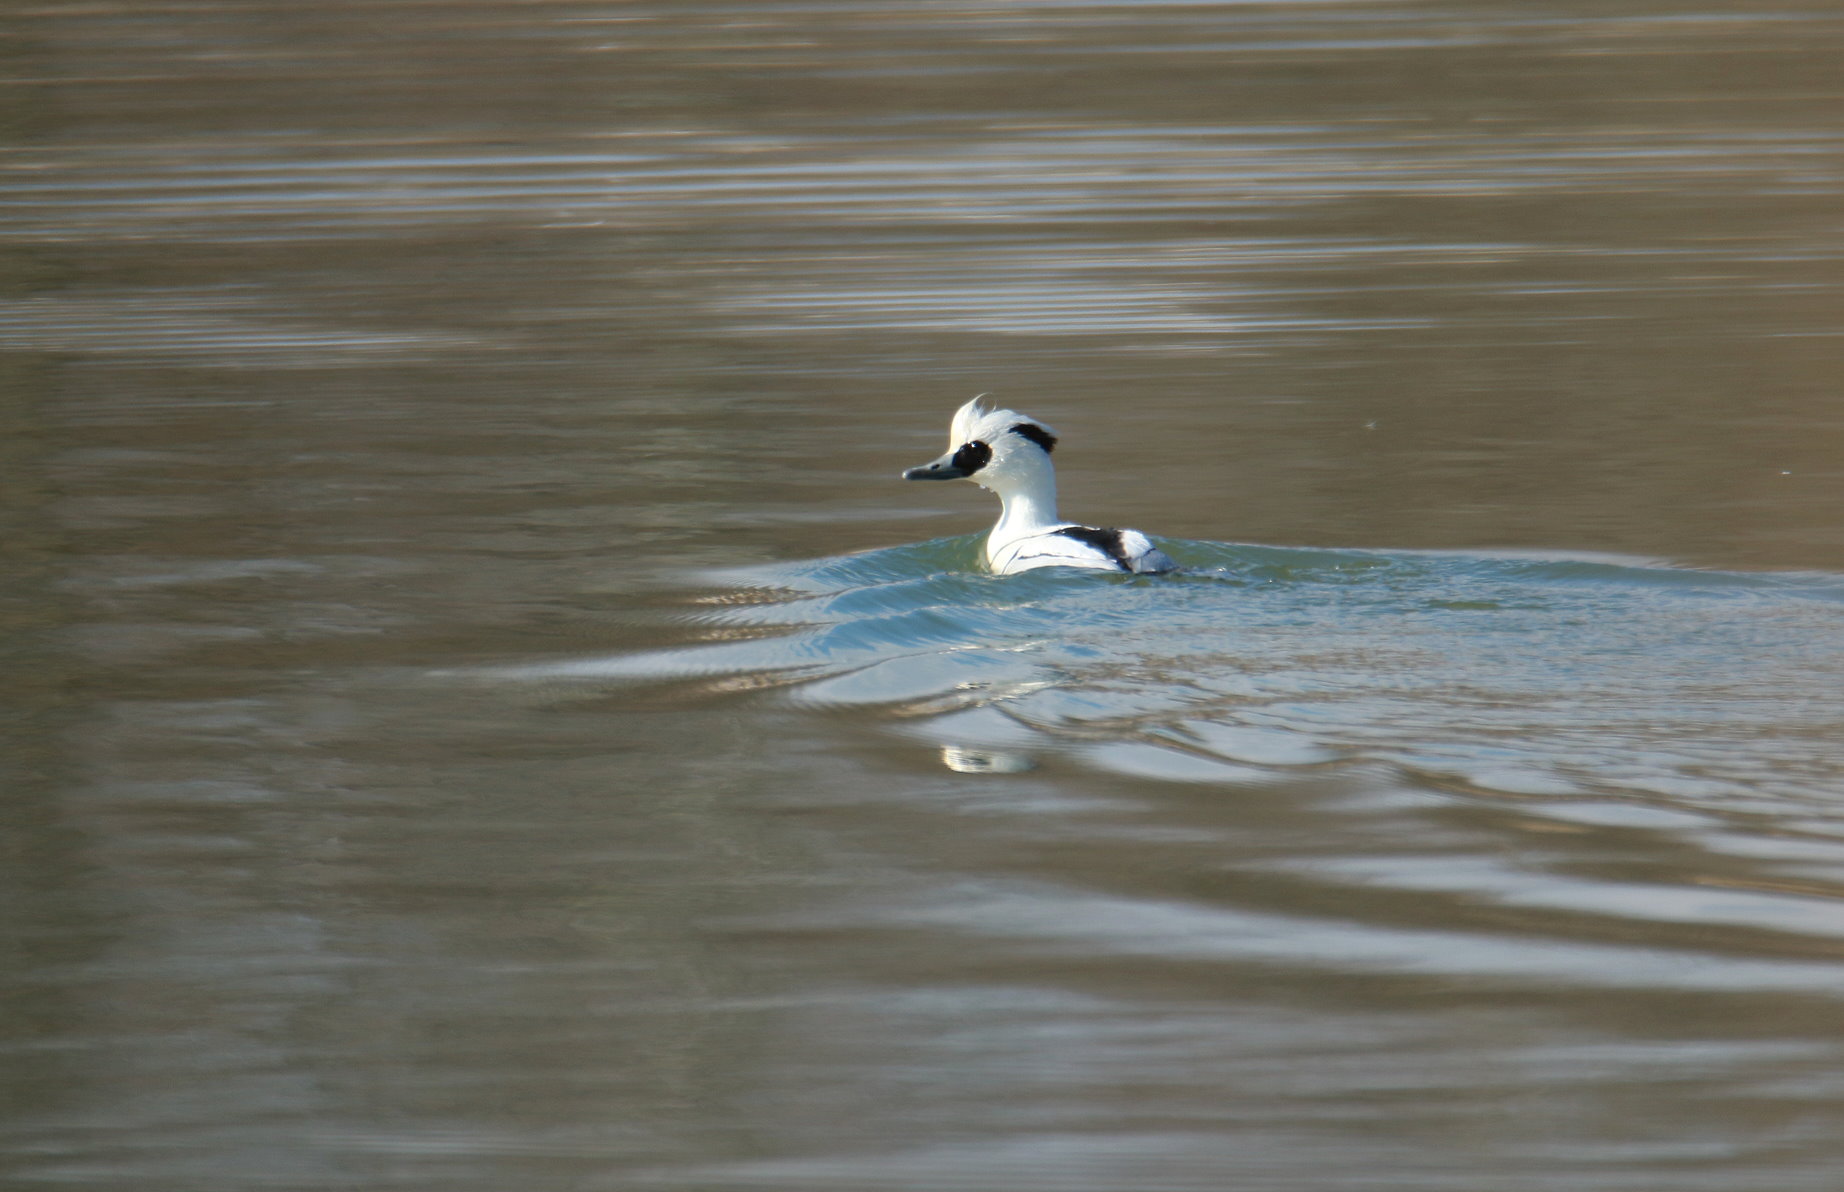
column 1512, row 675
column 481, row 712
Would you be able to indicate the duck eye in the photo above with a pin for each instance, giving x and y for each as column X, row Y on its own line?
column 972, row 456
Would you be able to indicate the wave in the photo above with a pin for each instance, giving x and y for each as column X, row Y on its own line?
column 1497, row 674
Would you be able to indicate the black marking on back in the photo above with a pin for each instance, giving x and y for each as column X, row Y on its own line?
column 972, row 456
column 1106, row 541
column 1036, row 434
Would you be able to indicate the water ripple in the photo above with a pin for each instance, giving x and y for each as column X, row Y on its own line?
column 1506, row 675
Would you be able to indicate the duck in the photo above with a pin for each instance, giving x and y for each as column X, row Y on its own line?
column 1008, row 453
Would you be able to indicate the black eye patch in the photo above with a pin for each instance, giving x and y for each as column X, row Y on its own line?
column 1036, row 434
column 972, row 456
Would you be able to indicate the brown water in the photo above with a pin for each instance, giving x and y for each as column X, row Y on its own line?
column 482, row 712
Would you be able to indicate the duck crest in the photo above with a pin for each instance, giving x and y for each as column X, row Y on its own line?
column 965, row 419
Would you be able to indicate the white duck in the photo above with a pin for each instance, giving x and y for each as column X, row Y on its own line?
column 1009, row 453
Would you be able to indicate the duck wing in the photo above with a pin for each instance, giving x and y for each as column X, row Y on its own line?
column 1085, row 546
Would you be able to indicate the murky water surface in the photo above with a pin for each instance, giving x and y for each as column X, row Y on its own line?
column 483, row 713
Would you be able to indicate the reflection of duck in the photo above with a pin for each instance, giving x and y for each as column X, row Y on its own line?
column 963, row 760
column 1009, row 453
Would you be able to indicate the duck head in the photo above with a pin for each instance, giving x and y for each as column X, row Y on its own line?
column 996, row 449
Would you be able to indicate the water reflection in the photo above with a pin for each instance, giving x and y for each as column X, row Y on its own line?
column 1511, row 675
column 963, row 760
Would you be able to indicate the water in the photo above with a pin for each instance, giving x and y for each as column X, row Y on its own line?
column 483, row 712
column 1506, row 675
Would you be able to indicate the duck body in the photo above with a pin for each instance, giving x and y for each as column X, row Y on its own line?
column 1095, row 547
column 1008, row 453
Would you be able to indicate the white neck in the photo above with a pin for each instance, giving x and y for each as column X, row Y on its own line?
column 1027, row 495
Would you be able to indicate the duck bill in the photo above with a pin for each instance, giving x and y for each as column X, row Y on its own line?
column 941, row 469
